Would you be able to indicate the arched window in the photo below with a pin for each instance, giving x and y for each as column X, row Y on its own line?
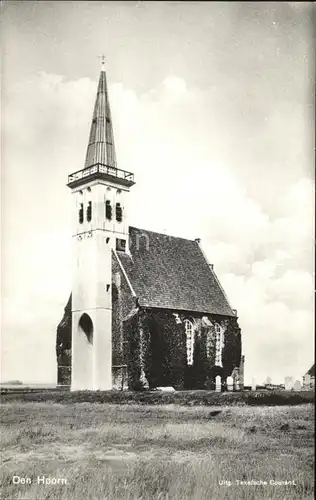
column 189, row 332
column 86, row 325
column 119, row 212
column 219, row 344
column 81, row 213
column 108, row 210
column 89, row 212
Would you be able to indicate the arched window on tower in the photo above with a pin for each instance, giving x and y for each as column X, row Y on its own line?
column 219, row 344
column 189, row 333
column 89, row 212
column 119, row 212
column 108, row 210
column 81, row 213
column 86, row 325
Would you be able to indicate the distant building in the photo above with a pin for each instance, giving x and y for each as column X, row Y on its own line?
column 297, row 386
column 288, row 383
column 309, row 379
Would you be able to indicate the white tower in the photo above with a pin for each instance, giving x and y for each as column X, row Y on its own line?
column 99, row 226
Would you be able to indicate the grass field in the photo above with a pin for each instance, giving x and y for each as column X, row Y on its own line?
column 187, row 398
column 108, row 451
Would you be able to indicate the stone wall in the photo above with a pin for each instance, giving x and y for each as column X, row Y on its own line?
column 149, row 345
column 123, row 303
column 158, row 350
column 63, row 347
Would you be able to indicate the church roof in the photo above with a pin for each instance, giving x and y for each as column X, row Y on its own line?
column 311, row 371
column 101, row 148
column 172, row 273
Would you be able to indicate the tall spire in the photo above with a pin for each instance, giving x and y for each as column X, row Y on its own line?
column 101, row 149
column 100, row 160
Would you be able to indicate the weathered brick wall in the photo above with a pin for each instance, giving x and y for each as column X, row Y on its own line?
column 63, row 347
column 164, row 349
column 119, row 378
column 123, row 303
column 64, row 375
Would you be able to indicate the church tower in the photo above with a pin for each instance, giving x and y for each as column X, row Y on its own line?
column 99, row 227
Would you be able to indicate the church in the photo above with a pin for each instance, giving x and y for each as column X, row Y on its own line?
column 146, row 310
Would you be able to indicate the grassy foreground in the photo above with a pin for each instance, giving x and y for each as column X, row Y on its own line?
column 98, row 451
column 190, row 398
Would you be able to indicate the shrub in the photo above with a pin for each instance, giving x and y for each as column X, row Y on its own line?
column 279, row 398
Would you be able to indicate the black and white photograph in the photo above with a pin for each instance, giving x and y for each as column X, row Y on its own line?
column 157, row 250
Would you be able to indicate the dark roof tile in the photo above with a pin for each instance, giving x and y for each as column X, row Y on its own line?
column 172, row 273
column 311, row 371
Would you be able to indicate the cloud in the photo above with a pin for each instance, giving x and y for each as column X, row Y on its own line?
column 300, row 5
column 261, row 250
column 175, row 87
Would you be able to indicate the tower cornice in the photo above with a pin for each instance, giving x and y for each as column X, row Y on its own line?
column 102, row 172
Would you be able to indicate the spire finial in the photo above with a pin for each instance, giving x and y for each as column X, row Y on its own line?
column 102, row 59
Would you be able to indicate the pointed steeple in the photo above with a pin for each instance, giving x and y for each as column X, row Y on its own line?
column 101, row 149
column 100, row 162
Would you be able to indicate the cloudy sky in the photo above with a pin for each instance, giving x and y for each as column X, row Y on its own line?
column 213, row 112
